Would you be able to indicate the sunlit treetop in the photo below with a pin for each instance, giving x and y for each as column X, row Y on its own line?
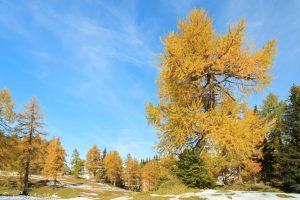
column 200, row 63
column 6, row 109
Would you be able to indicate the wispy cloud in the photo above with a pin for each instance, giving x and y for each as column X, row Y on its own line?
column 95, row 60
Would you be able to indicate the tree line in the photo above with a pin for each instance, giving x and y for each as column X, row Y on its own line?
column 110, row 168
column 23, row 149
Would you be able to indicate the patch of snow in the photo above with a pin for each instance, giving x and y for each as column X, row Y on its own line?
column 89, row 194
column 162, row 195
column 230, row 194
column 6, row 173
column 97, row 186
column 122, row 198
column 21, row 198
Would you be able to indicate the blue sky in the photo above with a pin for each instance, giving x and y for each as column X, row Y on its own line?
column 89, row 62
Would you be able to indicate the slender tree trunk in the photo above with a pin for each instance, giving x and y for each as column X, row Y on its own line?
column 240, row 175
column 25, row 179
column 26, row 175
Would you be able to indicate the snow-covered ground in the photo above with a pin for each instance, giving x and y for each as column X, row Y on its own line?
column 229, row 194
column 95, row 187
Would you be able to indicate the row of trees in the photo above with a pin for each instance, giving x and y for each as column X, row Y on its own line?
column 109, row 167
column 279, row 149
column 24, row 150
column 22, row 147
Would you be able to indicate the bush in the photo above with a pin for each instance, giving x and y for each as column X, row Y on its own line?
column 190, row 169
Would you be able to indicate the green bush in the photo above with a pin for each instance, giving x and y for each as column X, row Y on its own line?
column 190, row 169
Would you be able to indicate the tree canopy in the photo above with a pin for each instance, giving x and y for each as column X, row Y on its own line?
column 113, row 167
column 200, row 71
column 55, row 160
column 93, row 161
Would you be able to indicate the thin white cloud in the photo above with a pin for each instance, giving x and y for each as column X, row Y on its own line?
column 96, row 47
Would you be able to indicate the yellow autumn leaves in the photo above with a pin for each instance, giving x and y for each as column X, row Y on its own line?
column 113, row 167
column 55, row 160
column 203, row 80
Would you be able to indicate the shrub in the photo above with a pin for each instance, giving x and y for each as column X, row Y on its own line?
column 190, row 169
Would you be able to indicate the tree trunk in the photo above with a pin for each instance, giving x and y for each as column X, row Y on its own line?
column 25, row 179
column 240, row 175
column 200, row 145
column 26, row 175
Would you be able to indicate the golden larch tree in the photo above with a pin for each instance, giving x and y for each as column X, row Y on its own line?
column 7, row 113
column 93, row 161
column 200, row 69
column 55, row 160
column 132, row 173
column 7, row 116
column 113, row 167
column 29, row 125
column 150, row 175
column 203, row 78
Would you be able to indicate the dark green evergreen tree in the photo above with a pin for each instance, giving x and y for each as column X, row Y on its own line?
column 191, row 171
column 104, row 153
column 255, row 109
column 289, row 157
column 272, row 112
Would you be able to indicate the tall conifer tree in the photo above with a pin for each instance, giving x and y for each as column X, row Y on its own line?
column 289, row 157
column 201, row 71
column 94, row 162
column 272, row 111
column 150, row 176
column 132, row 173
column 30, row 124
column 55, row 160
column 113, row 167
